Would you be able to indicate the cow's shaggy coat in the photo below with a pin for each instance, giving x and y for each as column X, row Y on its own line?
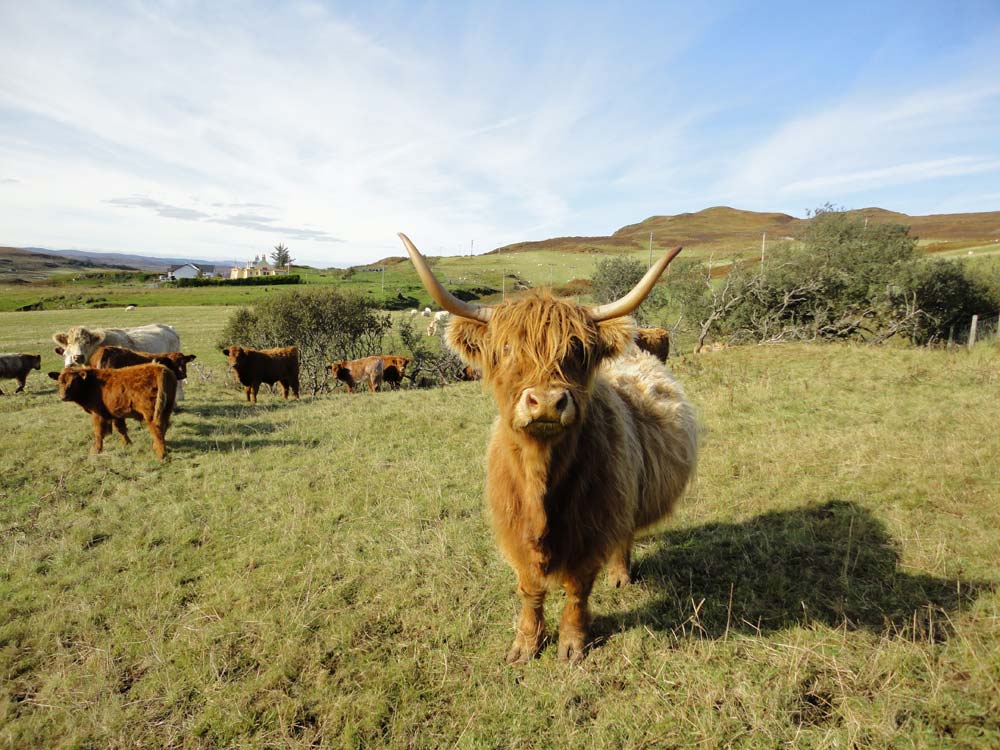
column 143, row 392
column 356, row 372
column 256, row 366
column 594, row 442
column 17, row 366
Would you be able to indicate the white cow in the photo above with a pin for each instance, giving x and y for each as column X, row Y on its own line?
column 78, row 343
column 440, row 319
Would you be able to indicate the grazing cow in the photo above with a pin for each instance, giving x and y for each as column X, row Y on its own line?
column 114, row 357
column 256, row 366
column 395, row 369
column 594, row 443
column 77, row 344
column 355, row 372
column 656, row 341
column 143, row 392
column 440, row 319
column 17, row 366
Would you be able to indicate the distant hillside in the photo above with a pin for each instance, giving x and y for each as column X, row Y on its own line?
column 723, row 229
column 139, row 262
column 22, row 266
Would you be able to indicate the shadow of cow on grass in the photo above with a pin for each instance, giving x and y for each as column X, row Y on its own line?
column 832, row 564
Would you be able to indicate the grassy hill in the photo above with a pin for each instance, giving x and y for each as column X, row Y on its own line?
column 19, row 266
column 724, row 231
column 320, row 573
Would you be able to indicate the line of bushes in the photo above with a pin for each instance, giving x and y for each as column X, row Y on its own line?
column 252, row 281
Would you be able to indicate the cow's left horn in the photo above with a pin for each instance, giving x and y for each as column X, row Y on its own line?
column 633, row 299
column 441, row 295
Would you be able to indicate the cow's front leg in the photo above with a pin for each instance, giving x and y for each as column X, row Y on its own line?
column 575, row 622
column 20, row 383
column 620, row 564
column 102, row 427
column 248, row 389
column 531, row 624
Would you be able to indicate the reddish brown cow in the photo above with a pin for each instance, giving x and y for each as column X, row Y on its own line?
column 395, row 369
column 17, row 366
column 143, row 392
column 256, row 366
column 354, row 372
column 594, row 443
column 656, row 341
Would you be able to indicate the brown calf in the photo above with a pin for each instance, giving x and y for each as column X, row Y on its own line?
column 395, row 369
column 17, row 366
column 256, row 366
column 115, row 357
column 143, row 392
column 354, row 372
column 656, row 341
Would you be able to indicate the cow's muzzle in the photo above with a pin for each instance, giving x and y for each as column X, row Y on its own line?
column 545, row 411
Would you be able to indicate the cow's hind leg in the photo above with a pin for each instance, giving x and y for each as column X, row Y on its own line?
column 122, row 430
column 20, row 383
column 531, row 624
column 159, row 443
column 284, row 389
column 575, row 623
column 620, row 565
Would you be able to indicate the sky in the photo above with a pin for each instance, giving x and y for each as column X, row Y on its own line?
column 219, row 130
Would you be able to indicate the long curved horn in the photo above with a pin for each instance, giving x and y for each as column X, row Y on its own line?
column 633, row 299
column 441, row 295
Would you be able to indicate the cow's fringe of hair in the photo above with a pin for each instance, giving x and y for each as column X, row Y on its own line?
column 549, row 328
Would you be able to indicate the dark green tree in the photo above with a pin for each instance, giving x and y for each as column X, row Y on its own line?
column 281, row 256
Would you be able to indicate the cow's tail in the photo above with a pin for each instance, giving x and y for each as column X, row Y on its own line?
column 166, row 396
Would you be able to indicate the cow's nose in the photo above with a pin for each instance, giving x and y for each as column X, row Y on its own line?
column 546, row 404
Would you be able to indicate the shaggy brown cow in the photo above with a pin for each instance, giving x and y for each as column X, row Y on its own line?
column 594, row 442
column 143, row 392
column 17, row 366
column 354, row 372
column 395, row 369
column 256, row 366
column 656, row 341
column 114, row 357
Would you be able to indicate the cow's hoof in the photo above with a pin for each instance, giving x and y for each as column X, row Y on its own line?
column 522, row 652
column 571, row 648
column 618, row 578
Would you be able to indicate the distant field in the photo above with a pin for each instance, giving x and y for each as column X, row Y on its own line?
column 320, row 573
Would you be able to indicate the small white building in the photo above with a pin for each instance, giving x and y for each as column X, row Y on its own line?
column 190, row 271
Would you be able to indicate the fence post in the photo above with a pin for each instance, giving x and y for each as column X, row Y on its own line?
column 972, row 331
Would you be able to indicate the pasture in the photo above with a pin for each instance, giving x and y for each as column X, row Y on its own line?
column 320, row 573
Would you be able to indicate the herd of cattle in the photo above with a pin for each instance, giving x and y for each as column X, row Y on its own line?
column 594, row 441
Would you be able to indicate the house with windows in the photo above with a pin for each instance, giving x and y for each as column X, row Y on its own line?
column 257, row 267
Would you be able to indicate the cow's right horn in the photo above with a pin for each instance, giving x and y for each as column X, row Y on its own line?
column 441, row 295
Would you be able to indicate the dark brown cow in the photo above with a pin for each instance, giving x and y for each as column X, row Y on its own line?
column 114, row 357
column 395, row 369
column 143, row 392
column 656, row 341
column 17, row 366
column 256, row 366
column 594, row 443
column 355, row 372
column 470, row 374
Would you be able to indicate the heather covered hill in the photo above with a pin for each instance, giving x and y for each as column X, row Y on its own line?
column 722, row 229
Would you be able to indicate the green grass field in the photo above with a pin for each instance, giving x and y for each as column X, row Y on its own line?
column 320, row 573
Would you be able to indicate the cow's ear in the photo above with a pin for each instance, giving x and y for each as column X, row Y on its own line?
column 54, row 375
column 468, row 339
column 190, row 357
column 59, row 350
column 226, row 351
column 60, row 338
column 614, row 336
